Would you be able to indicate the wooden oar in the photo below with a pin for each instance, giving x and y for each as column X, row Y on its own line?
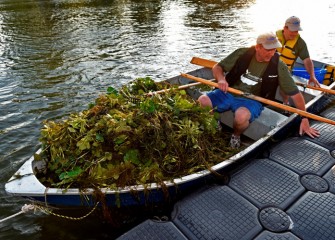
column 263, row 100
column 316, row 88
column 210, row 63
column 149, row 94
column 180, row 87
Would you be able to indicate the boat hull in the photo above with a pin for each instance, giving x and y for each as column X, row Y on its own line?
column 25, row 184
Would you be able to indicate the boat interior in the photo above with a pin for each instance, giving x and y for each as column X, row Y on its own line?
column 271, row 117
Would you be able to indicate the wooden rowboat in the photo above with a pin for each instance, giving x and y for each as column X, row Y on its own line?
column 272, row 124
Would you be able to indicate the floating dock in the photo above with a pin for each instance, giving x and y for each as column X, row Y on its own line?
column 288, row 194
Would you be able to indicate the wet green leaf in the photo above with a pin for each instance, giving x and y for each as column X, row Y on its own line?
column 71, row 174
column 120, row 139
column 148, row 106
column 132, row 156
column 99, row 137
column 83, row 144
column 111, row 90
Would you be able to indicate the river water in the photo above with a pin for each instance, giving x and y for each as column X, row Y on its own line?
column 56, row 56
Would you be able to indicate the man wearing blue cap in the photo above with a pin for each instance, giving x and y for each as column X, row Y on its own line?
column 293, row 46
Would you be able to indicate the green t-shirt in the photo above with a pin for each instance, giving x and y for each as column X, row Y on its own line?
column 300, row 49
column 255, row 72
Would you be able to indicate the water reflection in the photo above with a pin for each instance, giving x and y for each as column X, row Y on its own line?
column 217, row 14
column 56, row 56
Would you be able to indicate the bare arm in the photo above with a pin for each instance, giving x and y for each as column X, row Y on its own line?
column 310, row 69
column 219, row 75
column 299, row 103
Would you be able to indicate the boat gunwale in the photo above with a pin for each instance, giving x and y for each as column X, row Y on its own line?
column 22, row 174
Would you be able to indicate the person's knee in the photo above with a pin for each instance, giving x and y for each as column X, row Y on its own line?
column 242, row 116
column 205, row 101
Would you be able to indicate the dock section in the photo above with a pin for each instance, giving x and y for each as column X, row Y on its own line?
column 289, row 194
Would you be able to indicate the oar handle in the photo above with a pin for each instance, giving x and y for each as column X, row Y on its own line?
column 263, row 100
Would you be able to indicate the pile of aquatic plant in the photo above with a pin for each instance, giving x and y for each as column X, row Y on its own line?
column 128, row 137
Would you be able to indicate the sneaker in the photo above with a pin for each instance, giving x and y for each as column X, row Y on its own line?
column 235, row 142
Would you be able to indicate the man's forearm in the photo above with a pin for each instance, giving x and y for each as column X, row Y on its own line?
column 309, row 66
column 299, row 101
column 218, row 73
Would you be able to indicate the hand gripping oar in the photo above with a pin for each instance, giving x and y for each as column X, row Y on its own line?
column 263, row 100
column 210, row 63
column 316, row 88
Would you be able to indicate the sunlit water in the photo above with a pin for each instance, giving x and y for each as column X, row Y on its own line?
column 57, row 56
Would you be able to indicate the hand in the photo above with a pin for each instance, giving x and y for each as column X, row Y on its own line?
column 313, row 82
column 223, row 85
column 305, row 128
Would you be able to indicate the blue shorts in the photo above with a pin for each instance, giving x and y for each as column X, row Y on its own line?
column 222, row 102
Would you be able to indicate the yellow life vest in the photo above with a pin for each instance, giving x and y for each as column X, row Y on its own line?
column 287, row 54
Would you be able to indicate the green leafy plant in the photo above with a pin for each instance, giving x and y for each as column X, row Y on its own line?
column 127, row 137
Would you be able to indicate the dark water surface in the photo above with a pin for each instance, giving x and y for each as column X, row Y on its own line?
column 57, row 56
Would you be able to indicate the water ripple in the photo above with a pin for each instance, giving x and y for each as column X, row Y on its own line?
column 57, row 56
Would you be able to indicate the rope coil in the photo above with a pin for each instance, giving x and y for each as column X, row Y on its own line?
column 25, row 208
column 30, row 207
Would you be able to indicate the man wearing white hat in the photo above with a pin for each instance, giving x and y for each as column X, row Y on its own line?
column 255, row 70
column 293, row 46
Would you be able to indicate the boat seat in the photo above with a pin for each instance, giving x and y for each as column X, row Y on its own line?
column 268, row 120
